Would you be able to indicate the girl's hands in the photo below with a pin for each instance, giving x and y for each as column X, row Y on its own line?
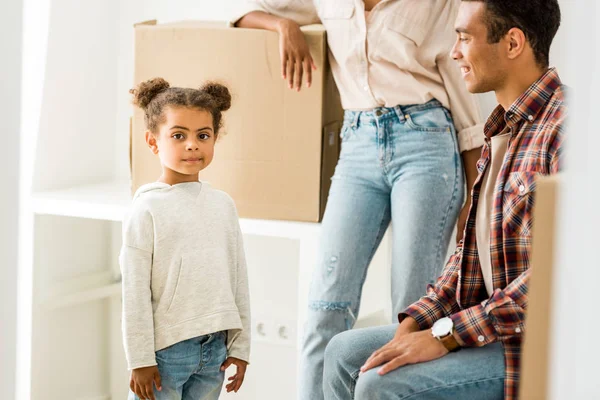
column 142, row 381
column 238, row 378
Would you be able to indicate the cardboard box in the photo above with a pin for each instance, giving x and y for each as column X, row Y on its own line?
column 278, row 148
column 536, row 350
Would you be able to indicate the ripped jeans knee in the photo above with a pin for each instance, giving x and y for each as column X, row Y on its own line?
column 329, row 309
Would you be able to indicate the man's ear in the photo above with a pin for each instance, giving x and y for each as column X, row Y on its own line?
column 151, row 141
column 517, row 42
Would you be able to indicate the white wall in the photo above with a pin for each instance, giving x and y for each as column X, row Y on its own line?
column 10, row 74
column 574, row 367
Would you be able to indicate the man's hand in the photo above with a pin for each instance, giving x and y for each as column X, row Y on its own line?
column 296, row 60
column 238, row 378
column 412, row 348
column 142, row 380
column 462, row 220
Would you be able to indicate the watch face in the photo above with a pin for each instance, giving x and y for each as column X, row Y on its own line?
column 442, row 327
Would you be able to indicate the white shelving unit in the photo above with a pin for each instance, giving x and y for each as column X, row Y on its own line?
column 91, row 214
column 71, row 347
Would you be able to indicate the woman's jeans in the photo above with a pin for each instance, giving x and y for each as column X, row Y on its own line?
column 399, row 164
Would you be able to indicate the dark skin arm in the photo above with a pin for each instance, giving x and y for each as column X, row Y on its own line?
column 238, row 378
column 296, row 61
column 142, row 382
column 470, row 159
column 409, row 346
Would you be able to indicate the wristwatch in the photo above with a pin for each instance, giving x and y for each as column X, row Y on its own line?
column 442, row 330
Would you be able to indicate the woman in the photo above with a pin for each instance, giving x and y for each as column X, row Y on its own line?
column 408, row 119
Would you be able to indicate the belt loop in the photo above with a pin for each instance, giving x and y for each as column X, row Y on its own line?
column 400, row 113
column 355, row 119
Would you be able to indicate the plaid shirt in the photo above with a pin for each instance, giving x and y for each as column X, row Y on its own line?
column 536, row 122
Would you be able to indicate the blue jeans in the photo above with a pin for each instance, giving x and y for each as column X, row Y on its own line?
column 468, row 374
column 191, row 370
column 400, row 164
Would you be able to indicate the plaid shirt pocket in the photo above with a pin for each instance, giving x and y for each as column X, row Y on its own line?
column 518, row 203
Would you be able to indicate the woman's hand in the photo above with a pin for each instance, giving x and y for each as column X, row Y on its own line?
column 296, row 61
column 142, row 382
column 238, row 378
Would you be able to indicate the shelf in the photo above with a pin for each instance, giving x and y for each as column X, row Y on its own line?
column 109, row 201
column 81, row 290
column 104, row 201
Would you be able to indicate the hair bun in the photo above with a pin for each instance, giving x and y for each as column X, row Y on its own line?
column 148, row 90
column 219, row 93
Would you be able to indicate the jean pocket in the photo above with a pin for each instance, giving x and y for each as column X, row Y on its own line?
column 218, row 347
column 434, row 120
column 346, row 130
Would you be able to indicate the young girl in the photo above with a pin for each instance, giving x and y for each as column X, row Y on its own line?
column 185, row 288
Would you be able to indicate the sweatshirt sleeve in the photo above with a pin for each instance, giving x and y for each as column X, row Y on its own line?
column 136, row 266
column 239, row 341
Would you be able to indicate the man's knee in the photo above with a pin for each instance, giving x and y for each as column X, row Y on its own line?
column 368, row 386
column 372, row 386
column 338, row 347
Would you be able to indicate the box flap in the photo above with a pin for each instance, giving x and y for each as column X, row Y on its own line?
column 150, row 22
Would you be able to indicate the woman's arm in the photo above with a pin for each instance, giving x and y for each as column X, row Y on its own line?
column 296, row 61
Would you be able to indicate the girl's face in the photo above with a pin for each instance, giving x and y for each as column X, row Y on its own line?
column 185, row 144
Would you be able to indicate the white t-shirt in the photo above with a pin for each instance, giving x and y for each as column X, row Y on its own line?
column 483, row 220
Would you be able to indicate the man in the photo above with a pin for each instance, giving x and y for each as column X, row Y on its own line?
column 463, row 339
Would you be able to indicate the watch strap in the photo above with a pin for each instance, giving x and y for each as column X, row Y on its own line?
column 450, row 342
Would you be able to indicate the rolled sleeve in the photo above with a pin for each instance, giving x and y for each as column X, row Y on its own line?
column 246, row 8
column 499, row 318
column 471, row 138
column 303, row 13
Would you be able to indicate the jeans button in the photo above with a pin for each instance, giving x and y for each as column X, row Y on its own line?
column 378, row 113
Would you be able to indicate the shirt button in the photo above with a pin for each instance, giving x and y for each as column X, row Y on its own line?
column 378, row 113
column 366, row 88
column 530, row 118
column 481, row 338
column 521, row 188
column 518, row 330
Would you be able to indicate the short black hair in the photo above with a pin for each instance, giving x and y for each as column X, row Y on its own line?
column 538, row 19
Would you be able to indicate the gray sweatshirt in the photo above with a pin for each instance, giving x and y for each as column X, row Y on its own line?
column 184, row 271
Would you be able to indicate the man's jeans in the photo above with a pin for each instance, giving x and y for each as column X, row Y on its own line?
column 400, row 164
column 468, row 374
column 191, row 370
